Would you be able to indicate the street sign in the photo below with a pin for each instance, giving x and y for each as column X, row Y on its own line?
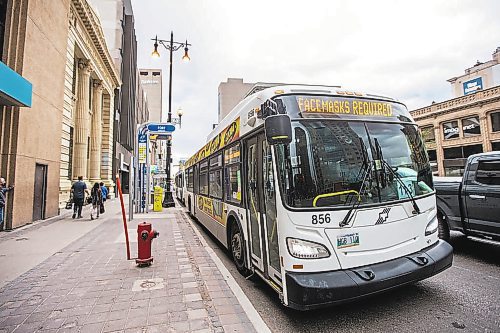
column 163, row 128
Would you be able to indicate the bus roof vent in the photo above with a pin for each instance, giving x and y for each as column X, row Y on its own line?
column 310, row 91
column 379, row 96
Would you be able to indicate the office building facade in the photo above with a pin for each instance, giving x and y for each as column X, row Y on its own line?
column 467, row 124
column 58, row 47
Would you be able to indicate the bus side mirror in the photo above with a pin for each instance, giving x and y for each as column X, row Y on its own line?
column 278, row 129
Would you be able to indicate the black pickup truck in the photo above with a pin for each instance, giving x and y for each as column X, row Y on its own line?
column 471, row 204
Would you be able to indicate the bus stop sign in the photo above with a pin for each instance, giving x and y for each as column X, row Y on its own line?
column 161, row 128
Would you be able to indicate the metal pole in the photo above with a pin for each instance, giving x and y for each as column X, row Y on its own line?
column 168, row 200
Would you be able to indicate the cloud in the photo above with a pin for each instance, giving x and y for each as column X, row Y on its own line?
column 403, row 49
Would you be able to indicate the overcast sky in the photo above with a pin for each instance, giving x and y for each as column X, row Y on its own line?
column 406, row 50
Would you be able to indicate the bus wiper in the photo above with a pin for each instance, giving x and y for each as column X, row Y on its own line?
column 368, row 168
column 416, row 209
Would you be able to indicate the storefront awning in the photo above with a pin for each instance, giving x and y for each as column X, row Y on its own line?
column 14, row 89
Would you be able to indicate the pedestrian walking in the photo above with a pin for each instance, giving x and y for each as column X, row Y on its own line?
column 78, row 189
column 104, row 191
column 3, row 190
column 96, row 195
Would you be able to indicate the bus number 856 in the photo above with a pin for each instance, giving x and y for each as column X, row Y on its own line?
column 321, row 218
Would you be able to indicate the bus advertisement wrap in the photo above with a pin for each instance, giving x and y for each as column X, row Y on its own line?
column 230, row 134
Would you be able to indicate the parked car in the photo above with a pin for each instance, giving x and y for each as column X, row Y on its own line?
column 471, row 204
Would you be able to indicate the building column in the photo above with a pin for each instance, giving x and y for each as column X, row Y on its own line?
column 485, row 132
column 96, row 132
column 81, row 120
column 439, row 149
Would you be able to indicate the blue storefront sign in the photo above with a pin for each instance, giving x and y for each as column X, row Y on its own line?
column 473, row 85
column 14, row 89
column 161, row 128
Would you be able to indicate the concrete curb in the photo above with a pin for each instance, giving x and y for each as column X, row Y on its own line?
column 254, row 317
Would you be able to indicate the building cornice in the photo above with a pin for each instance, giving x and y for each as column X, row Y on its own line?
column 94, row 30
column 479, row 98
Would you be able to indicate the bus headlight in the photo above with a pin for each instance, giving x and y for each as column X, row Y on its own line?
column 432, row 226
column 303, row 249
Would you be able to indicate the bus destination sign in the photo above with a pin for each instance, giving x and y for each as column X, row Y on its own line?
column 361, row 107
column 340, row 107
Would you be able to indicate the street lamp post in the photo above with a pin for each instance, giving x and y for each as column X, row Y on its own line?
column 171, row 46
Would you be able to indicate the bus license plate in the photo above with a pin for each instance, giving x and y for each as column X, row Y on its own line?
column 347, row 240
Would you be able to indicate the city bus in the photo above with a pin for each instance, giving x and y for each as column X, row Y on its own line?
column 324, row 193
column 179, row 185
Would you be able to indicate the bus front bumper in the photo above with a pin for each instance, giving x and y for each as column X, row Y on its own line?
column 307, row 291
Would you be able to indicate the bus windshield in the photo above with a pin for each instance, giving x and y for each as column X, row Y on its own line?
column 338, row 163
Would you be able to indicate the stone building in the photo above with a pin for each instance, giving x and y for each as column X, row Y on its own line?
column 58, row 47
column 90, row 81
column 467, row 124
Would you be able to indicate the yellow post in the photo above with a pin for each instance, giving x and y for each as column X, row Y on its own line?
column 158, row 197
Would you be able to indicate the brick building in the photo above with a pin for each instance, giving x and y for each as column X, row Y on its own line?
column 467, row 124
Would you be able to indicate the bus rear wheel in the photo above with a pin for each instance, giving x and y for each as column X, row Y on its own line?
column 238, row 250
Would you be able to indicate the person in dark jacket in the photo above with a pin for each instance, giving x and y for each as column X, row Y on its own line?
column 78, row 189
column 3, row 190
column 96, row 195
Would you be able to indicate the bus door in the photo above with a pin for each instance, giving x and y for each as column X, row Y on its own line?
column 253, row 203
column 261, row 208
column 268, row 200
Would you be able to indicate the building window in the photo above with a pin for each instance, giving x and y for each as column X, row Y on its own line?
column 450, row 130
column 3, row 15
column 75, row 73
column 471, row 126
column 488, row 172
column 428, row 134
column 472, row 149
column 432, row 154
column 433, row 159
column 70, row 153
column 495, row 146
column 451, row 153
column 462, row 152
column 495, row 121
column 144, row 73
column 156, row 73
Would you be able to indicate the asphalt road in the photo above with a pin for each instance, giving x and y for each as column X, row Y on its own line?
column 464, row 298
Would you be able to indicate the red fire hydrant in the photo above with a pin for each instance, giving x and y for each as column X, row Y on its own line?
column 145, row 236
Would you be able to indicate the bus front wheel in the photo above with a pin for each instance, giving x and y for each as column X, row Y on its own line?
column 238, row 250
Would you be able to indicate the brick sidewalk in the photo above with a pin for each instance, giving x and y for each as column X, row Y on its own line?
column 89, row 286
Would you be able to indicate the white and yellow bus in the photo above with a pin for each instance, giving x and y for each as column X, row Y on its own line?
column 326, row 194
column 179, row 181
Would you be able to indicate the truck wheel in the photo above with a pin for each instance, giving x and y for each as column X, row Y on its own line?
column 238, row 250
column 443, row 228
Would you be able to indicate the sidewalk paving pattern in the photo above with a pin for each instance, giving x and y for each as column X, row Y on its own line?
column 89, row 286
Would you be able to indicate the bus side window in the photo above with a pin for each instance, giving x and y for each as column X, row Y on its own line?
column 232, row 174
column 196, row 180
column 203, row 186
